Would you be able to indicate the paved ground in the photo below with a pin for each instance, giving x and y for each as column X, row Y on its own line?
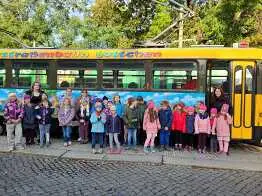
column 242, row 156
column 22, row 174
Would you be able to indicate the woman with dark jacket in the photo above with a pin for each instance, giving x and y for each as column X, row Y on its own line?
column 219, row 98
column 35, row 94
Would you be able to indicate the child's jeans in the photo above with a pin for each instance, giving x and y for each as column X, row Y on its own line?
column 100, row 137
column 164, row 137
column 44, row 133
column 150, row 139
column 83, row 131
column 14, row 135
column 213, row 143
column 131, row 135
column 114, row 136
column 202, row 139
column 67, row 130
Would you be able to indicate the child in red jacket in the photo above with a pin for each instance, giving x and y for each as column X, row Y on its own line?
column 179, row 125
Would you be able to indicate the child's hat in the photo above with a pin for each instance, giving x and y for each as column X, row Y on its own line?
column 150, row 105
column 98, row 104
column 225, row 108
column 27, row 97
column 202, row 107
column 181, row 104
column 190, row 109
column 113, row 108
column 213, row 111
column 105, row 98
column 11, row 95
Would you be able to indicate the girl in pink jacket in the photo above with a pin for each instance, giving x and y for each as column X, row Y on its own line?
column 151, row 125
column 223, row 130
column 202, row 127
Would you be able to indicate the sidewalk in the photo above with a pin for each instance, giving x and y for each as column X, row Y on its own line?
column 242, row 156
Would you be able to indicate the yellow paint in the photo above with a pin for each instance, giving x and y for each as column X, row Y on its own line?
column 242, row 127
column 151, row 53
column 258, row 113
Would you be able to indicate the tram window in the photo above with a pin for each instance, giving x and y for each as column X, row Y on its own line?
column 175, row 76
column 2, row 77
column 26, row 77
column 123, row 75
column 238, row 80
column 90, row 79
column 108, row 79
column 249, row 79
column 68, row 78
column 219, row 78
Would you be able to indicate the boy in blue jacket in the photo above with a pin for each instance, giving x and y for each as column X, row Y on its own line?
column 165, row 118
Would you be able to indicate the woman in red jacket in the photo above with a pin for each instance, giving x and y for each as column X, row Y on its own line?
column 178, row 125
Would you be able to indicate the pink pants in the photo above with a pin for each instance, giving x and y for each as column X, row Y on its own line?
column 223, row 145
column 150, row 139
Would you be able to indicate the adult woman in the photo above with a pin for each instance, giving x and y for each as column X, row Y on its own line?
column 35, row 94
column 218, row 99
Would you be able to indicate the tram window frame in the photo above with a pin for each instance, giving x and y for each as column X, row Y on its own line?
column 252, row 83
column 81, row 66
column 2, row 75
column 212, row 85
column 238, row 87
column 114, row 68
column 18, row 67
column 175, row 67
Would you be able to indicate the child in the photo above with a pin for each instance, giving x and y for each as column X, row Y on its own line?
column 165, row 118
column 44, row 119
column 190, row 121
column 151, row 125
column 83, row 115
column 179, row 124
column 98, row 120
column 65, row 116
column 56, row 130
column 213, row 137
column 29, row 121
column 223, row 130
column 13, row 114
column 202, row 127
column 131, row 122
column 120, row 113
column 113, row 129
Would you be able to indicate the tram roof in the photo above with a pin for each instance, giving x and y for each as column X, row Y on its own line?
column 136, row 54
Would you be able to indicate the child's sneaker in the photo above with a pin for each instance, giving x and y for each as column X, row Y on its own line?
column 65, row 144
column 152, row 149
column 100, row 151
column 69, row 143
column 10, row 149
column 94, row 151
column 79, row 139
column 146, row 150
column 110, row 151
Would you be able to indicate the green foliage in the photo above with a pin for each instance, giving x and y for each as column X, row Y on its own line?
column 120, row 23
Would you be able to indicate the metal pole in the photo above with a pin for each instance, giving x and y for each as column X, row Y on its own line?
column 181, row 25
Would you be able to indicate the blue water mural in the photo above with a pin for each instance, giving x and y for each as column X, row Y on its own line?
column 189, row 98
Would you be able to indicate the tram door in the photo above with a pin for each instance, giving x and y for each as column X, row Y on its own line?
column 243, row 99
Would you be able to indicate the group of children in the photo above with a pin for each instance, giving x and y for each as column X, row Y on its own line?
column 177, row 128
